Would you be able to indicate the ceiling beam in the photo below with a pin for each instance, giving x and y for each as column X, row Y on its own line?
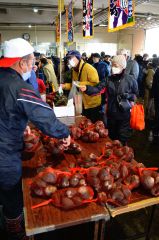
column 29, row 6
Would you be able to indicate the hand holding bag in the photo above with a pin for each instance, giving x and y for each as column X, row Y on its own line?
column 137, row 118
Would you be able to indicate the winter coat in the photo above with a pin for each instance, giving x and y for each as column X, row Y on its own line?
column 132, row 69
column 50, row 75
column 155, row 86
column 89, row 76
column 18, row 104
column 120, row 87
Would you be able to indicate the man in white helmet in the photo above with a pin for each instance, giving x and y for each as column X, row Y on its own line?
column 18, row 104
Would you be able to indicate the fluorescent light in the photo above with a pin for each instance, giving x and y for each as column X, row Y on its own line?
column 35, row 10
column 149, row 17
column 29, row 26
column 102, row 25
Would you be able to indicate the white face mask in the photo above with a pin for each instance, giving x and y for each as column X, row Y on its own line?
column 69, row 66
column 116, row 70
column 72, row 63
column 26, row 75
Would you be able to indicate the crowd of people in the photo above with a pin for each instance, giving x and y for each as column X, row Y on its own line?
column 106, row 83
column 109, row 87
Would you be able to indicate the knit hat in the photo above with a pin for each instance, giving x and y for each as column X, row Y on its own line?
column 74, row 53
column 14, row 50
column 122, row 52
column 120, row 59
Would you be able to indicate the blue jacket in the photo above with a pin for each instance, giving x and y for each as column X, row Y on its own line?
column 32, row 80
column 102, row 69
column 18, row 104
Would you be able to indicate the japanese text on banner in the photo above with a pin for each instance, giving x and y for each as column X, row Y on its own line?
column 121, row 14
column 88, row 30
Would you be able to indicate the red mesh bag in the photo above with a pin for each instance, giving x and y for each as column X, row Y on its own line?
column 70, row 198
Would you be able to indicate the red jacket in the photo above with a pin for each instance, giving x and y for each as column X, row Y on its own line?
column 41, row 86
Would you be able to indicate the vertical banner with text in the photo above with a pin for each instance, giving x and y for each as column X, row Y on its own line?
column 60, row 6
column 69, row 23
column 121, row 14
column 57, row 29
column 88, row 29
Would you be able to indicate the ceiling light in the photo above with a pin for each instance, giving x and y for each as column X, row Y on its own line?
column 29, row 26
column 35, row 10
column 102, row 25
column 149, row 17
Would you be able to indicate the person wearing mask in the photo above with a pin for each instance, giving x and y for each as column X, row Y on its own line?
column 132, row 67
column 85, row 74
column 19, row 104
column 122, row 91
column 50, row 76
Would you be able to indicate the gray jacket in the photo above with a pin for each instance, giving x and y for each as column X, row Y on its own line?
column 132, row 69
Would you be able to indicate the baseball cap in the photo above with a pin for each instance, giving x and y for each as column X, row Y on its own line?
column 74, row 53
column 120, row 59
column 14, row 50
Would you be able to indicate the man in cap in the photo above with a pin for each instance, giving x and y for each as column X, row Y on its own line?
column 85, row 74
column 132, row 67
column 18, row 104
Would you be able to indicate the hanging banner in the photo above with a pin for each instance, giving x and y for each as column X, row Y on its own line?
column 60, row 6
column 69, row 23
column 57, row 29
column 88, row 30
column 121, row 14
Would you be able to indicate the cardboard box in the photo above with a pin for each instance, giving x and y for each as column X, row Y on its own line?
column 65, row 111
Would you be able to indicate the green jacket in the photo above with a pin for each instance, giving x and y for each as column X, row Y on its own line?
column 50, row 75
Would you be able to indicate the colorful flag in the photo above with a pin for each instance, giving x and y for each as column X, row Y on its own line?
column 60, row 6
column 69, row 22
column 88, row 29
column 57, row 29
column 121, row 14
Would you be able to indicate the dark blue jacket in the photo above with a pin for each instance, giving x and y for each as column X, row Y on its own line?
column 102, row 69
column 18, row 104
column 121, row 86
column 103, row 73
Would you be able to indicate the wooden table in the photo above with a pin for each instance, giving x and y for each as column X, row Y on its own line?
column 49, row 218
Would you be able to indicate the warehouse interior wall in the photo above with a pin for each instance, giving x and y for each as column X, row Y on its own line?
column 133, row 40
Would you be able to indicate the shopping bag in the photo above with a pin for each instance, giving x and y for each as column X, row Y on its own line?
column 77, row 99
column 137, row 118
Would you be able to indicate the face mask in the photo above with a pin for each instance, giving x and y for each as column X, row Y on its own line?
column 69, row 66
column 72, row 63
column 26, row 75
column 116, row 70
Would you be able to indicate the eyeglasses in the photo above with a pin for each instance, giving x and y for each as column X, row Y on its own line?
column 31, row 59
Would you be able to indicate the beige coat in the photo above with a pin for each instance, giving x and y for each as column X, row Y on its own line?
column 148, row 86
column 50, row 75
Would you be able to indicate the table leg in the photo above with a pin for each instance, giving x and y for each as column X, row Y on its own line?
column 102, row 230
column 148, row 231
column 96, row 230
column 99, row 230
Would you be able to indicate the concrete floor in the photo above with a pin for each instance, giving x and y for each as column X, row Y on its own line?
column 126, row 225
